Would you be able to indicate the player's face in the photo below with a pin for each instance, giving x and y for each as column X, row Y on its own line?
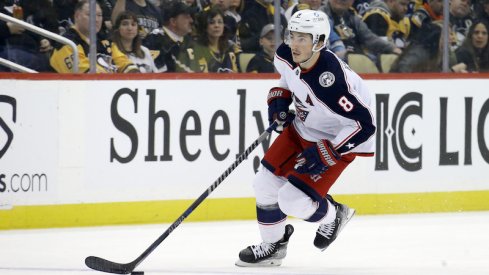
column 479, row 37
column 128, row 29
column 301, row 46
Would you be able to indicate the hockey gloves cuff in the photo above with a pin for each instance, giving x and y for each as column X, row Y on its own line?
column 279, row 100
column 317, row 159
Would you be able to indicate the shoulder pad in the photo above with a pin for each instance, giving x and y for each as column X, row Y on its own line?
column 284, row 54
column 283, row 51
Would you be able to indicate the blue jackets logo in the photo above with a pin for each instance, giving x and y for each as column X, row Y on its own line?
column 326, row 79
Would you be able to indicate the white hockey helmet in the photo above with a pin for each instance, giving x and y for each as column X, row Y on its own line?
column 311, row 21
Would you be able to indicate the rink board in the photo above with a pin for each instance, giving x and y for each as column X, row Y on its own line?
column 94, row 150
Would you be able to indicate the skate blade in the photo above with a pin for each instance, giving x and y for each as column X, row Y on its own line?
column 350, row 215
column 265, row 263
column 351, row 212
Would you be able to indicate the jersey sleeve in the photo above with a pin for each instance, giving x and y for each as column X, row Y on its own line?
column 122, row 61
column 61, row 60
column 149, row 58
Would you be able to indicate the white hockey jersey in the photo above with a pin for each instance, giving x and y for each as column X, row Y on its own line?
column 331, row 102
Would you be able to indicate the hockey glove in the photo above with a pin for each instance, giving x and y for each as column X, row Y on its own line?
column 278, row 101
column 316, row 159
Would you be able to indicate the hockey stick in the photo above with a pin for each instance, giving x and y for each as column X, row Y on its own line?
column 104, row 265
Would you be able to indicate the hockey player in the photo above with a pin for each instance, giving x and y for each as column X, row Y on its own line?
column 333, row 124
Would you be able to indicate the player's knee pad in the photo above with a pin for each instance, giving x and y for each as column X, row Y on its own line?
column 266, row 186
column 294, row 202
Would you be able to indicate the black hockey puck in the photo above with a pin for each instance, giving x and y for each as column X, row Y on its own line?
column 137, row 273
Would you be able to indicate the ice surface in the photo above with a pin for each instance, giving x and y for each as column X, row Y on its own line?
column 419, row 244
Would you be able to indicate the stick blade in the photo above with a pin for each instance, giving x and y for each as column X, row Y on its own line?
column 103, row 265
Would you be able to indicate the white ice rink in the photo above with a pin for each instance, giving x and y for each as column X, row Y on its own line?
column 421, row 244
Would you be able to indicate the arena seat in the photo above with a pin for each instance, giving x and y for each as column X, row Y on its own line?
column 360, row 63
column 243, row 60
column 386, row 61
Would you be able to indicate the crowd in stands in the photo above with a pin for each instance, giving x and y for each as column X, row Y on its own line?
column 230, row 36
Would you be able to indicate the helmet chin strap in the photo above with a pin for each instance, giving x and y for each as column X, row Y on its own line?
column 314, row 50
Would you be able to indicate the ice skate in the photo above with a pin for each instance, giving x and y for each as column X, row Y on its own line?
column 266, row 254
column 328, row 232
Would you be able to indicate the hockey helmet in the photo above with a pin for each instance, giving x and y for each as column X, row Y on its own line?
column 313, row 22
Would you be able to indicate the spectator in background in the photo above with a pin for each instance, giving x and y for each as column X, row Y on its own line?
column 354, row 33
column 256, row 14
column 302, row 5
column 127, row 52
column 481, row 9
column 386, row 18
column 474, row 52
column 361, row 6
column 7, row 30
column 230, row 22
column 172, row 45
column 41, row 13
column 199, row 5
column 236, row 7
column 149, row 16
column 335, row 44
column 107, row 6
column 424, row 53
column 460, row 19
column 425, row 12
column 64, row 10
column 214, row 52
column 62, row 57
column 24, row 47
column 234, row 12
column 262, row 62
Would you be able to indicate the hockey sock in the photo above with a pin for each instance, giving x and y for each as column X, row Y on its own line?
column 271, row 221
column 325, row 213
